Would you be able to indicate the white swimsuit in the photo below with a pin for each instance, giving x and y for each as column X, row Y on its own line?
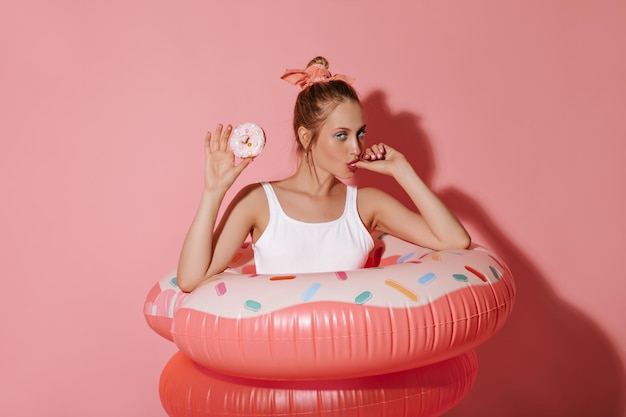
column 291, row 246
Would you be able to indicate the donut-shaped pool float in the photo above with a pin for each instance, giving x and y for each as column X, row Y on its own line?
column 189, row 390
column 409, row 310
column 247, row 140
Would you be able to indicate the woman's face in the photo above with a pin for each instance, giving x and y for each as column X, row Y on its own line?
column 340, row 141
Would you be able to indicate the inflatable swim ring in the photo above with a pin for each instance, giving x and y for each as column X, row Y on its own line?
column 410, row 310
column 416, row 308
column 189, row 390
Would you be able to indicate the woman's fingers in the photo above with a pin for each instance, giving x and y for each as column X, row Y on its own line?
column 207, row 144
column 242, row 165
column 375, row 152
column 211, row 138
column 219, row 140
column 223, row 143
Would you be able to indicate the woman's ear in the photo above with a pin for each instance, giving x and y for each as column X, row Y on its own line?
column 304, row 136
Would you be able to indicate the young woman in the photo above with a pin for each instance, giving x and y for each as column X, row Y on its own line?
column 311, row 221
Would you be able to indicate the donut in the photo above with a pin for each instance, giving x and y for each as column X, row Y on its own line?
column 412, row 307
column 395, row 338
column 247, row 140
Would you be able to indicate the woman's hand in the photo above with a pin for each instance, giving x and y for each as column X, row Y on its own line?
column 383, row 159
column 433, row 225
column 220, row 171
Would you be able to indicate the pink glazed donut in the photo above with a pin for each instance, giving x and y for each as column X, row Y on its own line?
column 247, row 140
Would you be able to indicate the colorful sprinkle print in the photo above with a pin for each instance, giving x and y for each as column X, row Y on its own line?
column 404, row 258
column 341, row 276
column 495, row 272
column 255, row 306
column 467, row 272
column 404, row 290
column 363, row 298
column 310, row 292
column 220, row 289
column 282, row 278
column 252, row 305
column 427, row 278
column 460, row 277
column 477, row 273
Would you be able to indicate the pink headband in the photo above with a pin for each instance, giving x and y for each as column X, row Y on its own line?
column 313, row 74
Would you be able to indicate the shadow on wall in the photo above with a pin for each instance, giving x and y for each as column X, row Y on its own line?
column 549, row 360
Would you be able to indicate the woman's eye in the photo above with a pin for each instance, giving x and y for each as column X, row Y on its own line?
column 361, row 134
column 341, row 135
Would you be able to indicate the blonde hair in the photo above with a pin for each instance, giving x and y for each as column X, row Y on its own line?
column 319, row 60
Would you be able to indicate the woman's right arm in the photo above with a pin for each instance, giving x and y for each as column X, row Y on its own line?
column 197, row 260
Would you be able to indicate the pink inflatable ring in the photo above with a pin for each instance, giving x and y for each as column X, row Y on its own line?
column 188, row 390
column 410, row 307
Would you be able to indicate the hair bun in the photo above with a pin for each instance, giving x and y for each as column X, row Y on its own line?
column 319, row 60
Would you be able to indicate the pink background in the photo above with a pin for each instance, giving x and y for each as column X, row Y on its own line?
column 512, row 111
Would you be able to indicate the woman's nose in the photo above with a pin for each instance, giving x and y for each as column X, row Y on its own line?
column 356, row 146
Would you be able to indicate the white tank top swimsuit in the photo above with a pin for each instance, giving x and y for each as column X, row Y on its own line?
column 291, row 246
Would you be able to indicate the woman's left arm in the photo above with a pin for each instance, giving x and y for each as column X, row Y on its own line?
column 435, row 226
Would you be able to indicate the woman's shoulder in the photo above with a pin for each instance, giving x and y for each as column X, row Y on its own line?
column 368, row 201
column 250, row 194
column 249, row 205
column 251, row 189
column 371, row 193
column 373, row 200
